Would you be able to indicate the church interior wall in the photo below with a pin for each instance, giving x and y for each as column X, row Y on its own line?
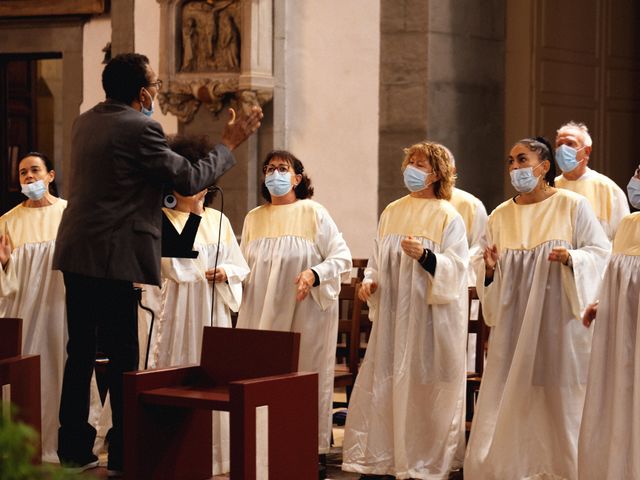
column 331, row 89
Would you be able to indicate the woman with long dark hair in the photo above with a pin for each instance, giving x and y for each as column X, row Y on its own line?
column 544, row 256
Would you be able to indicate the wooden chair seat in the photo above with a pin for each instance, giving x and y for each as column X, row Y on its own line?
column 168, row 411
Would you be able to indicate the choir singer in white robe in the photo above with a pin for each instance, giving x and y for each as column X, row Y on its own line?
column 296, row 255
column 609, row 446
column 544, row 260
column 186, row 292
column 37, row 291
column 406, row 414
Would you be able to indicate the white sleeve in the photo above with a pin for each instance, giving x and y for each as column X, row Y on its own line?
column 619, row 210
column 336, row 260
column 236, row 268
column 8, row 279
column 371, row 276
column 333, row 249
column 478, row 228
column 451, row 265
column 589, row 259
column 490, row 295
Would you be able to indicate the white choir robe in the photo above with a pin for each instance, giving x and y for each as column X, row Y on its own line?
column 40, row 301
column 609, row 445
column 185, row 306
column 527, row 416
column 475, row 218
column 606, row 198
column 406, row 413
column 475, row 221
column 279, row 242
column 8, row 280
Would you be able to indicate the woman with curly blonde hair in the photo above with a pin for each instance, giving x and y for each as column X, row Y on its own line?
column 415, row 365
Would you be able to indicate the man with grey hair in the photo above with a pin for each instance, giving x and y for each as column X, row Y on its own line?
column 573, row 148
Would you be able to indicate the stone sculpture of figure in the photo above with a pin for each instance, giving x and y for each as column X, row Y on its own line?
column 211, row 35
column 189, row 43
column 228, row 41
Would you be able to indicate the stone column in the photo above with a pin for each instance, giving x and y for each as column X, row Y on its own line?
column 123, row 28
column 442, row 79
column 403, row 89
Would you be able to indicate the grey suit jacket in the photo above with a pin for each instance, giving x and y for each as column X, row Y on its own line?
column 120, row 162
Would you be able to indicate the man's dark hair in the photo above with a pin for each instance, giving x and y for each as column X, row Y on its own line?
column 124, row 76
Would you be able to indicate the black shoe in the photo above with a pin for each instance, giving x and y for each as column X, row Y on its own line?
column 340, row 417
column 79, row 466
column 322, row 471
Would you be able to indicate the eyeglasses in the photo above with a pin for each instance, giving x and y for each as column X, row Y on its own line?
column 157, row 84
column 269, row 169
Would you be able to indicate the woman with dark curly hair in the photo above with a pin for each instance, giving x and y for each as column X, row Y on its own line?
column 406, row 414
column 296, row 255
column 544, row 256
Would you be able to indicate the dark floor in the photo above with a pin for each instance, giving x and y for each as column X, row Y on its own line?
column 334, row 458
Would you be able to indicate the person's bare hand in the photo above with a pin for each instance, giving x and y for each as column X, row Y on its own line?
column 240, row 127
column 218, row 275
column 412, row 247
column 589, row 314
column 5, row 249
column 366, row 290
column 304, row 280
column 491, row 257
column 559, row 254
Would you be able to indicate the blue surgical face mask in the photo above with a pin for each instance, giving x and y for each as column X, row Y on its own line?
column 148, row 112
column 278, row 184
column 633, row 189
column 35, row 190
column 415, row 179
column 523, row 179
column 566, row 158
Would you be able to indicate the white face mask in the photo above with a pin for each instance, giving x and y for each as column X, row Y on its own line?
column 633, row 190
column 147, row 111
column 523, row 179
column 35, row 190
column 278, row 184
column 415, row 179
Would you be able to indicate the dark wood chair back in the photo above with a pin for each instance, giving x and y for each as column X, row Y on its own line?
column 10, row 337
column 480, row 329
column 360, row 264
column 230, row 354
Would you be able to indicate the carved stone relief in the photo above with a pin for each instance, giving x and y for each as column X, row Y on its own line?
column 204, row 59
column 210, row 36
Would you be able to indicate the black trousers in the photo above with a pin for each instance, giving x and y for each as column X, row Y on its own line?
column 105, row 308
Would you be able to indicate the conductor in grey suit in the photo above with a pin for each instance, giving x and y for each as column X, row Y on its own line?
column 110, row 237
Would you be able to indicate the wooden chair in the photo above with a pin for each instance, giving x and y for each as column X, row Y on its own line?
column 167, row 416
column 344, row 375
column 22, row 373
column 481, row 330
column 359, row 264
column 353, row 324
